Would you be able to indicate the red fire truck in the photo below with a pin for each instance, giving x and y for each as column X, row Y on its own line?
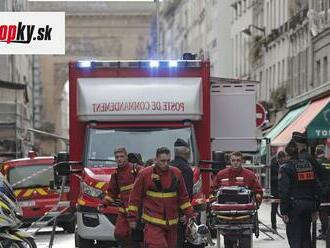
column 140, row 105
column 30, row 178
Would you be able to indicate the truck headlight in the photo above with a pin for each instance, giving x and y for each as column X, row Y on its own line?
column 91, row 191
column 197, row 186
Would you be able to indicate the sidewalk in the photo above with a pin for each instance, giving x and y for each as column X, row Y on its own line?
column 264, row 241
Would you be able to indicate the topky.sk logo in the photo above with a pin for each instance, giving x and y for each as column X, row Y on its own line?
column 32, row 32
column 21, row 33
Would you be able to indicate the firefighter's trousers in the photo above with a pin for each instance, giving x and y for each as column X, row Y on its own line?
column 122, row 231
column 159, row 237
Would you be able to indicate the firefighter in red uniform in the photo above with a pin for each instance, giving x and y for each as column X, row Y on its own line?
column 121, row 183
column 236, row 175
column 161, row 190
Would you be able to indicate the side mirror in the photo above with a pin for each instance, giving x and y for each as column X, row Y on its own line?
column 61, row 168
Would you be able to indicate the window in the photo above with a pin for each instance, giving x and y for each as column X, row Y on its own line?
column 279, row 13
column 270, row 76
column 267, row 84
column 267, row 17
column 284, row 10
column 239, row 6
column 260, row 84
column 283, row 72
column 279, row 82
column 321, row 4
column 325, row 69
column 274, row 14
column 274, row 74
column 271, row 15
column 102, row 142
column 318, row 72
column 17, row 174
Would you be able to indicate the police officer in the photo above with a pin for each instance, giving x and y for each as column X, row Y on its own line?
column 182, row 155
column 325, row 188
column 299, row 197
column 301, row 140
column 275, row 164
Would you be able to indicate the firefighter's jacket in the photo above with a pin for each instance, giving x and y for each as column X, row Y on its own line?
column 237, row 177
column 298, row 183
column 161, row 193
column 121, row 184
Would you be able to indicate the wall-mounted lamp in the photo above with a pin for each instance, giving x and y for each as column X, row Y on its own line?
column 247, row 30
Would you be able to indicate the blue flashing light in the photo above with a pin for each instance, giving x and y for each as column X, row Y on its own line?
column 154, row 63
column 85, row 64
column 173, row 63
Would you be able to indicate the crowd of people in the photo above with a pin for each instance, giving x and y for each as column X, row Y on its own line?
column 300, row 182
column 155, row 198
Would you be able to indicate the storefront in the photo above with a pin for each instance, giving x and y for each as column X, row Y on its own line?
column 286, row 120
column 313, row 118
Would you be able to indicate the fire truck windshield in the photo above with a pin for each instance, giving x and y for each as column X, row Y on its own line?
column 102, row 142
column 30, row 176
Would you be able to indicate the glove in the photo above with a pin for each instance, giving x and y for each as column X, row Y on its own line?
column 132, row 224
column 258, row 199
column 107, row 200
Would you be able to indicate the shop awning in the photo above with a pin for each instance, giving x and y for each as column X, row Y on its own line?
column 319, row 128
column 302, row 122
column 281, row 125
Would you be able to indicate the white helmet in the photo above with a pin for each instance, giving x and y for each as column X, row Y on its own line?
column 198, row 234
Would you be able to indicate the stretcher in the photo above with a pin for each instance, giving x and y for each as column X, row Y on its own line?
column 234, row 214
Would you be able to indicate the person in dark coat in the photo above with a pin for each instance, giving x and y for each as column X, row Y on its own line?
column 301, row 140
column 325, row 188
column 299, row 197
column 182, row 155
column 275, row 164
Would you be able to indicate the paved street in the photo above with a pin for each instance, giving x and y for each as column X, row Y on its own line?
column 63, row 239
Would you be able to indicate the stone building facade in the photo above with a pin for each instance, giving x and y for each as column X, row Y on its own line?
column 198, row 27
column 106, row 30
column 16, row 101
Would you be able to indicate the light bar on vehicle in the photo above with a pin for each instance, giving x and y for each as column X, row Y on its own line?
column 84, row 64
column 154, row 63
column 95, row 64
column 172, row 63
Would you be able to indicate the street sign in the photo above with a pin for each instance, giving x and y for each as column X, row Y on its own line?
column 260, row 115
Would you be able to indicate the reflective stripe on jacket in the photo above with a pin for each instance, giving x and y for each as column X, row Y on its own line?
column 234, row 177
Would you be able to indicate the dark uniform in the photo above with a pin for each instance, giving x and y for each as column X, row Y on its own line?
column 188, row 176
column 303, row 154
column 325, row 193
column 274, row 168
column 301, row 138
column 187, row 173
column 299, row 198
